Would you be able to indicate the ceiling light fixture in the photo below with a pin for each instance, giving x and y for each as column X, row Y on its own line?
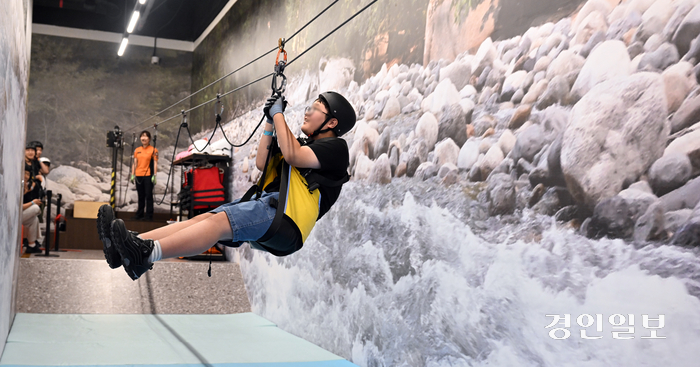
column 122, row 47
column 132, row 22
column 142, row 2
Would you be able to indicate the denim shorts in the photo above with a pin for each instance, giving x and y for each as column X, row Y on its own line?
column 249, row 220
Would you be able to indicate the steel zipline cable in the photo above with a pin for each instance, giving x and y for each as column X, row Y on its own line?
column 235, row 71
column 271, row 74
column 184, row 113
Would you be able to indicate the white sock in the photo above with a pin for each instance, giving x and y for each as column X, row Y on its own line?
column 157, row 253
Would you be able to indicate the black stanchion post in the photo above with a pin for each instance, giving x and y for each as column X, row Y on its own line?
column 57, row 231
column 47, row 239
column 114, row 141
column 47, row 234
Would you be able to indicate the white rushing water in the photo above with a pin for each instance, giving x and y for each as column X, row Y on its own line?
column 413, row 274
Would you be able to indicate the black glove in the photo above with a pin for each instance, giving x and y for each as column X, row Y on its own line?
column 274, row 105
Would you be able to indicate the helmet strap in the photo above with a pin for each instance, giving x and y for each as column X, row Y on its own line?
column 321, row 130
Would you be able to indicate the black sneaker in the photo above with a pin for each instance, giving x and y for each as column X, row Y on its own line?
column 105, row 216
column 133, row 250
column 32, row 250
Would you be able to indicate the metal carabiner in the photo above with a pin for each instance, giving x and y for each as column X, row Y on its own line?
column 280, row 50
column 279, row 89
column 279, row 69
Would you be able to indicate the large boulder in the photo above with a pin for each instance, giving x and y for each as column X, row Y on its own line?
column 670, row 172
column 688, row 30
column 557, row 92
column 87, row 191
column 610, row 59
column 67, row 196
column 650, row 225
column 592, row 24
column 529, row 142
column 468, row 155
column 484, row 57
column 638, row 201
column 611, row 218
column 619, row 27
column 445, row 94
column 688, row 144
column 554, row 199
column 70, row 176
column 659, row 59
column 678, row 82
column 536, row 90
column 684, row 197
column 512, row 83
column 675, row 219
column 493, row 158
column 363, row 167
column 417, row 153
column 428, row 129
column 453, row 124
column 381, row 171
column 689, row 233
column 507, row 141
column 501, row 194
column 335, row 73
column 566, row 62
column 601, row 6
column 520, row 116
column 658, row 14
column 383, row 143
column 391, row 109
column 688, row 113
column 426, row 170
column 614, row 134
column 446, row 151
column 458, row 72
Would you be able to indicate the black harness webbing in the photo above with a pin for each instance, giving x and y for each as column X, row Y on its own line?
column 283, row 237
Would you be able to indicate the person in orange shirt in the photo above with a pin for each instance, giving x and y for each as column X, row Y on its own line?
column 143, row 175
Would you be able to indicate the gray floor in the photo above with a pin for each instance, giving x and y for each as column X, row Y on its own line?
column 80, row 282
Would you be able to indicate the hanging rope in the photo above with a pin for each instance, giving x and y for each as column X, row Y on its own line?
column 172, row 160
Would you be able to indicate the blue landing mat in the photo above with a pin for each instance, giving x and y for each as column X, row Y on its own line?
column 166, row 340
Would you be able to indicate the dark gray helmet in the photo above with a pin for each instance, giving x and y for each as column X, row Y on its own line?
column 35, row 144
column 342, row 110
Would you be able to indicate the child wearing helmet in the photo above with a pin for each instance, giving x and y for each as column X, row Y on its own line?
column 301, row 180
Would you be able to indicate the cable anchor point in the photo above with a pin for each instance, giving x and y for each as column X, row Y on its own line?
column 184, row 119
column 218, row 111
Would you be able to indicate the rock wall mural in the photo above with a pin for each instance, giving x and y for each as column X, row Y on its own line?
column 15, row 33
column 79, row 90
column 522, row 172
column 534, row 180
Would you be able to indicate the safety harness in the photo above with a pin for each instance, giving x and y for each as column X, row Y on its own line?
column 299, row 203
column 298, row 206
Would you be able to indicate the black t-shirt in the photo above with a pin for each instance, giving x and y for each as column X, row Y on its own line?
column 34, row 193
column 334, row 157
column 34, row 168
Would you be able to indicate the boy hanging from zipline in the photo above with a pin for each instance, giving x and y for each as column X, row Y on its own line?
column 301, row 179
